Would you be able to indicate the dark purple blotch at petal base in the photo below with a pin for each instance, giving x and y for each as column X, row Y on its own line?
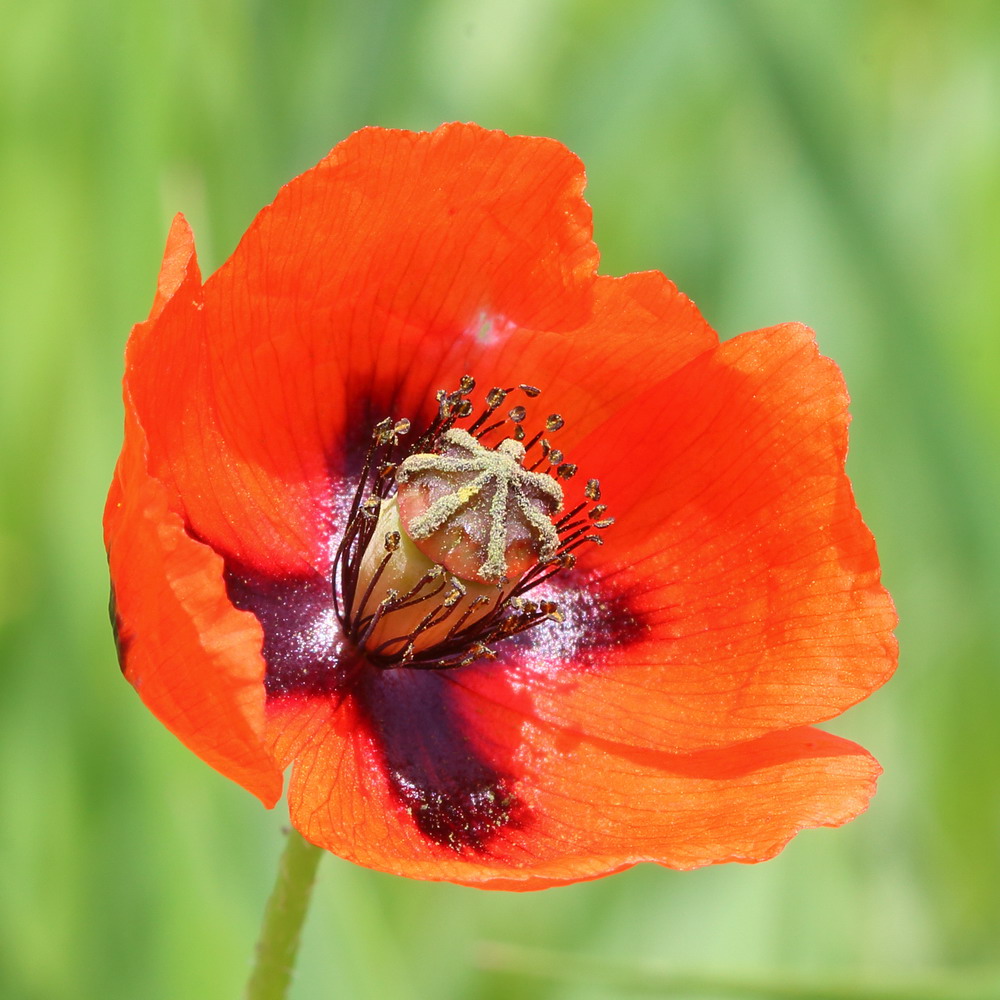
column 598, row 616
column 456, row 797
column 304, row 648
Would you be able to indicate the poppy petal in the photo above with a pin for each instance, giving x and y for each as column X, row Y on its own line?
column 361, row 276
column 739, row 584
column 567, row 808
column 234, row 505
column 194, row 659
column 245, row 382
column 604, row 807
column 641, row 330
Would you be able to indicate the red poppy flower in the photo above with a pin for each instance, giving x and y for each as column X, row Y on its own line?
column 419, row 617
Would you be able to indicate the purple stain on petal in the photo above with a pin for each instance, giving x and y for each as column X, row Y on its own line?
column 303, row 644
column 455, row 796
column 597, row 618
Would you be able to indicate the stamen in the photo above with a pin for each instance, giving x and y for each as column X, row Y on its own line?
column 566, row 518
column 376, row 576
column 444, row 536
column 474, row 605
column 492, row 427
column 494, row 400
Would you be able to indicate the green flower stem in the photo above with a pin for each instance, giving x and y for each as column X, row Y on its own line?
column 283, row 917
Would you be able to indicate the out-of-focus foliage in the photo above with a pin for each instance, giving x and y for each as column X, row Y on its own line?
column 831, row 161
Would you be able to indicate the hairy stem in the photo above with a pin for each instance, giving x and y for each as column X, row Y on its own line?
column 283, row 918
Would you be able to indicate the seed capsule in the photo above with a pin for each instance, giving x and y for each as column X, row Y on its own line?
column 476, row 510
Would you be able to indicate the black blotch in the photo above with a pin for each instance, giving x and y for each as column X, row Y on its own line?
column 304, row 648
column 612, row 621
column 455, row 797
column 605, row 618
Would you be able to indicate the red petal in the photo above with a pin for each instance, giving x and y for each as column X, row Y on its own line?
column 394, row 245
column 396, row 265
column 585, row 808
column 194, row 659
column 170, row 381
column 179, row 263
column 602, row 807
column 640, row 330
column 739, row 550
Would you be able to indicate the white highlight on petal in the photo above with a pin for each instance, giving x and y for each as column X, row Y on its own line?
column 550, row 647
column 488, row 329
column 321, row 639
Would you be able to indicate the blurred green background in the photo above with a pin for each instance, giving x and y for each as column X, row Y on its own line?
column 831, row 162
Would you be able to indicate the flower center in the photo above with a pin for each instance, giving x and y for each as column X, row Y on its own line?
column 476, row 511
column 445, row 537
